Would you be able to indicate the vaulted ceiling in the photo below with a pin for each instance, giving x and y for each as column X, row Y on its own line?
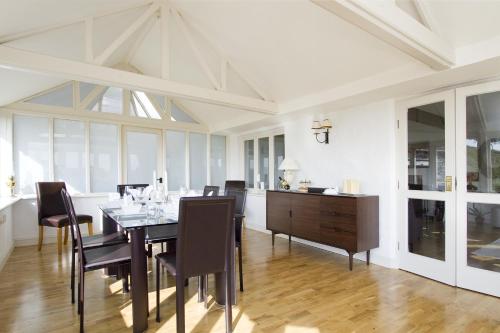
column 275, row 50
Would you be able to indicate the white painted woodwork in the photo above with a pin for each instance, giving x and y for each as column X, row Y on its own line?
column 389, row 23
column 89, row 39
column 165, row 45
column 74, row 70
column 108, row 52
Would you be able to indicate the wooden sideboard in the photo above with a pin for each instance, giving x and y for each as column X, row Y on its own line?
column 349, row 222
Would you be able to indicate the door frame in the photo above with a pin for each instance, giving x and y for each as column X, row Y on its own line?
column 431, row 268
column 470, row 277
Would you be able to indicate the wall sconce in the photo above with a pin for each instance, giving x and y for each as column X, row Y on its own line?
column 322, row 127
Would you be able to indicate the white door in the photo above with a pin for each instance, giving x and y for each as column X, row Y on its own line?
column 427, row 185
column 478, row 190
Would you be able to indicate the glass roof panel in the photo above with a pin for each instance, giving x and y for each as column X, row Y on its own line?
column 62, row 96
column 179, row 115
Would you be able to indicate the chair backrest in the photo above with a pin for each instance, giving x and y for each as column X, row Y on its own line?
column 210, row 191
column 121, row 187
column 240, row 196
column 74, row 226
column 234, row 184
column 48, row 199
column 204, row 235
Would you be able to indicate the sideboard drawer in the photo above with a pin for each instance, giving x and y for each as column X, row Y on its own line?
column 338, row 206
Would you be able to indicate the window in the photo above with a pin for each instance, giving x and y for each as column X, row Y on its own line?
column 142, row 106
column 142, row 152
column 176, row 159
column 31, row 152
column 110, row 100
column 217, row 160
column 279, row 156
column 69, row 154
column 61, row 96
column 263, row 162
column 262, row 156
column 103, row 157
column 197, row 161
column 249, row 163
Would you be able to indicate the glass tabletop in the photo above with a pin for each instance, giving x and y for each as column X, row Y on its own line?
column 140, row 216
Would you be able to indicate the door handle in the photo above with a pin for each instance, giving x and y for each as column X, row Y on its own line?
column 449, row 183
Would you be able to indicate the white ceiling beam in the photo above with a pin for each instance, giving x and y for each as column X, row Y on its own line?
column 389, row 23
column 199, row 57
column 223, row 74
column 427, row 16
column 23, row 34
column 74, row 70
column 165, row 42
column 131, row 29
column 140, row 39
column 89, row 39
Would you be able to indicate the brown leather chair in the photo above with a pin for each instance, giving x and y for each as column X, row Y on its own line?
column 207, row 189
column 240, row 196
column 51, row 212
column 203, row 247
column 239, row 184
column 94, row 258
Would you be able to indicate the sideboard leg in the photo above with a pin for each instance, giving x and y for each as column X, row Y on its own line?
column 289, row 239
column 272, row 237
column 367, row 257
column 350, row 260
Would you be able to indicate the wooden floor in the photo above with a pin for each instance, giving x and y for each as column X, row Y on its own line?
column 288, row 289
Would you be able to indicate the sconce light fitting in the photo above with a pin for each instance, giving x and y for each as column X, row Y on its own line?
column 322, row 127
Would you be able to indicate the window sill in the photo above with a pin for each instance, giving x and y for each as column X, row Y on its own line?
column 8, row 201
column 76, row 195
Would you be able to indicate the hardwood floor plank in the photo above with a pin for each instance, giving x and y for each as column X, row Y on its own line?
column 287, row 289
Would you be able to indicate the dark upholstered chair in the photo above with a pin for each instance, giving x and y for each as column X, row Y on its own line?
column 94, row 258
column 207, row 223
column 51, row 212
column 210, row 189
column 239, row 214
column 121, row 187
column 239, row 184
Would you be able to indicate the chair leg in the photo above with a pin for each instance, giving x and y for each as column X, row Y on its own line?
column 65, row 235
column 157, row 290
column 201, row 287
column 82, row 301
column 40, row 237
column 179, row 303
column 240, row 263
column 72, row 274
column 229, row 309
column 205, row 292
column 150, row 251
column 59, row 241
column 90, row 228
column 124, row 275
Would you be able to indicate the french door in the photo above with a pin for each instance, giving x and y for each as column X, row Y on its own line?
column 426, row 182
column 478, row 187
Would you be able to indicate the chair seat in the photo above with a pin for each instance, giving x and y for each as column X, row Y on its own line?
column 161, row 233
column 169, row 261
column 59, row 221
column 101, row 240
column 104, row 256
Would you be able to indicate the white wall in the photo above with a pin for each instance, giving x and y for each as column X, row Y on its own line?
column 362, row 146
column 26, row 225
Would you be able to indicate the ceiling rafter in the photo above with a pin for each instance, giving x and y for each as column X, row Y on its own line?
column 165, row 41
column 89, row 39
column 30, row 32
column 427, row 16
column 139, row 40
column 390, row 24
column 75, row 70
column 131, row 29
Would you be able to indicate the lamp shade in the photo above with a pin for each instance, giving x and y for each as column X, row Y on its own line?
column 326, row 123
column 316, row 125
column 288, row 164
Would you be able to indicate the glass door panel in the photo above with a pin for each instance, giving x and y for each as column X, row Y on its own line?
column 427, row 150
column 478, row 195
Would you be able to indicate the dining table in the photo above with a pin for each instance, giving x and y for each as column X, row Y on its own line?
column 137, row 224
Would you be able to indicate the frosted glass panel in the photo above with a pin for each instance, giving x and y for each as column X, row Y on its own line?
column 111, row 101
column 218, row 160
column 85, row 89
column 179, row 115
column 249, row 162
column 142, row 151
column 279, row 156
column 264, row 161
column 197, row 160
column 176, row 159
column 62, row 96
column 31, row 152
column 103, row 157
column 69, row 154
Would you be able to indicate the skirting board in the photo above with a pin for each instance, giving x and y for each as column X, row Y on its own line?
column 6, row 258
column 374, row 258
column 34, row 241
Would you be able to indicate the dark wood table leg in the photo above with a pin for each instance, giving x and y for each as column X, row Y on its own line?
column 139, row 279
column 220, row 282
column 367, row 257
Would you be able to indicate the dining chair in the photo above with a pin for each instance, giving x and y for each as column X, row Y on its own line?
column 239, row 214
column 210, row 191
column 51, row 212
column 92, row 259
column 203, row 247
